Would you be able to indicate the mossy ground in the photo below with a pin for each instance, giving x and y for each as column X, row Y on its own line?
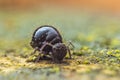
column 96, row 55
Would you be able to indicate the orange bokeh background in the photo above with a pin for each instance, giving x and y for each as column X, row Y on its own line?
column 109, row 6
column 92, row 5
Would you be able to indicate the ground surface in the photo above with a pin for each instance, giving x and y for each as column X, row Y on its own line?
column 96, row 55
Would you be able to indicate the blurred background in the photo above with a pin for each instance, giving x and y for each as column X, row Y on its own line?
column 110, row 6
column 93, row 26
column 86, row 21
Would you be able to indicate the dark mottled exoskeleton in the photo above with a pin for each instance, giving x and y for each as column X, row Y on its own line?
column 48, row 41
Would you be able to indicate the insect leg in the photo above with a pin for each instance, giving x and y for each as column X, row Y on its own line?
column 69, row 52
column 70, row 43
column 34, row 51
column 50, row 43
column 55, row 39
column 46, row 43
column 37, row 59
column 68, row 47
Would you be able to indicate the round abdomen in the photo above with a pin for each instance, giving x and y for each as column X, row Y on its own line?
column 59, row 51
